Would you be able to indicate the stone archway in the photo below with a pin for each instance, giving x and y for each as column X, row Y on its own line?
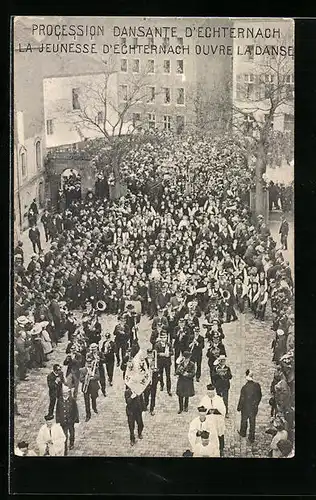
column 59, row 162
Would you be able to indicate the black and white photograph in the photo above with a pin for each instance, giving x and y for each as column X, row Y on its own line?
column 153, row 240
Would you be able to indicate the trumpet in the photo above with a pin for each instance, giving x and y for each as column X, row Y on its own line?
column 101, row 306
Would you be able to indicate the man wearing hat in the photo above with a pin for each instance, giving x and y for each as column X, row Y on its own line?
column 18, row 251
column 196, row 347
column 67, row 416
column 89, row 377
column 73, row 361
column 250, row 397
column 216, row 410
column 22, row 346
column 203, row 422
column 51, row 438
column 108, row 352
column 185, row 385
column 205, row 448
column 221, row 378
column 55, row 380
column 35, row 237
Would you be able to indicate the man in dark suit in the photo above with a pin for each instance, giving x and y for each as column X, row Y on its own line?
column 56, row 314
column 250, row 397
column 196, row 347
column 35, row 238
column 284, row 231
column 54, row 382
column 134, row 408
column 67, row 416
column 90, row 385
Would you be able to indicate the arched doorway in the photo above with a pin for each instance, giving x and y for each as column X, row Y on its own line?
column 70, row 187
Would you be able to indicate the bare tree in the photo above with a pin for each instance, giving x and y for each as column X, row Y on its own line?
column 209, row 109
column 261, row 100
column 114, row 112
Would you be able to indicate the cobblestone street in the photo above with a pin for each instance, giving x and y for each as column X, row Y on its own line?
column 248, row 345
column 165, row 433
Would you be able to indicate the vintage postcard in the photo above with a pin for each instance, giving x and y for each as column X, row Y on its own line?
column 153, row 202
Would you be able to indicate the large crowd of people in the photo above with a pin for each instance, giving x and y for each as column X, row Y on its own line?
column 183, row 248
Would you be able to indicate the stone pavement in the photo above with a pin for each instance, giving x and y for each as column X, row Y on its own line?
column 248, row 345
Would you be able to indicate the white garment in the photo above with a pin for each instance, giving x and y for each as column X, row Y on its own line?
column 19, row 453
column 273, row 446
column 208, row 425
column 57, row 436
column 218, row 404
column 208, row 451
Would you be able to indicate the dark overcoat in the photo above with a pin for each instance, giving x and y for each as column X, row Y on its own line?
column 185, row 386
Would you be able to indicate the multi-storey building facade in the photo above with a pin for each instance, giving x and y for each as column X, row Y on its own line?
column 261, row 73
column 29, row 145
column 171, row 80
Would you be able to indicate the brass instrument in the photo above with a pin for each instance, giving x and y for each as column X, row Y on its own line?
column 89, row 375
column 183, row 363
column 154, row 363
column 101, row 306
column 167, row 350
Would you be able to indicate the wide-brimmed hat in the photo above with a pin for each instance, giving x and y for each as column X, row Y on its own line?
column 22, row 320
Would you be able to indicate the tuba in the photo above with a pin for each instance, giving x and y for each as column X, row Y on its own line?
column 226, row 296
column 101, row 306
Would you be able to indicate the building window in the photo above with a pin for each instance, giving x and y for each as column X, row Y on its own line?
column 180, row 96
column 151, row 41
column 135, row 67
column 151, row 66
column 152, row 94
column 75, row 99
column 123, row 41
column 167, row 122
column 49, row 127
column 289, row 123
column 166, row 95
column 100, row 117
column 38, row 156
column 166, row 66
column 179, row 40
column 180, row 67
column 136, row 119
column 123, row 89
column 289, row 86
column 250, row 52
column 151, row 120
column 269, row 86
column 180, row 124
column 166, row 41
column 124, row 65
column 23, row 162
column 249, row 86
